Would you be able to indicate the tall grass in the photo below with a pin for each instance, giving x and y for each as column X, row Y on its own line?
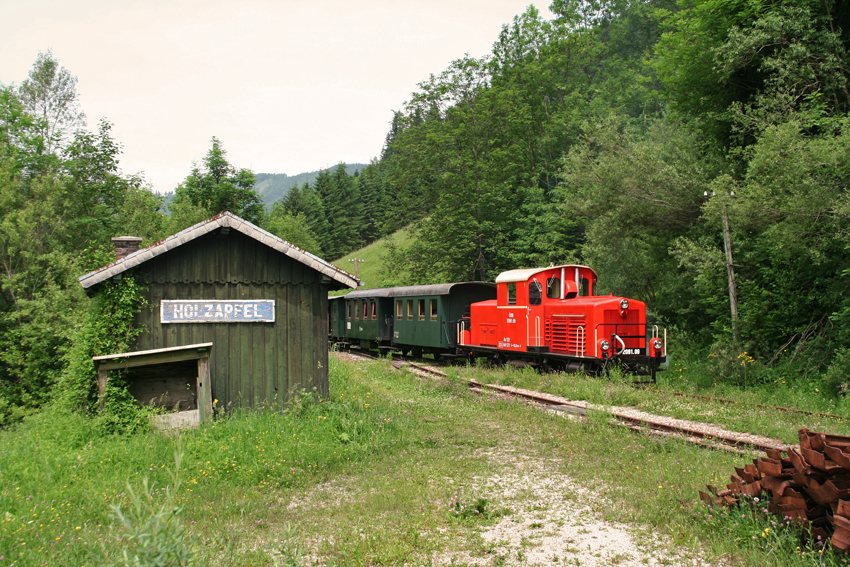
column 60, row 478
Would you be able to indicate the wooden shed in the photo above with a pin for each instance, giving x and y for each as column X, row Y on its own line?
column 258, row 302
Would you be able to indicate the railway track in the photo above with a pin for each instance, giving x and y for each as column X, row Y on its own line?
column 694, row 432
column 831, row 416
column 702, row 434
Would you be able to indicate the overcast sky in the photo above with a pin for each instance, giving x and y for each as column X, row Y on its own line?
column 288, row 86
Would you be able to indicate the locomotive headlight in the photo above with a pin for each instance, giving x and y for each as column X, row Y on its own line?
column 657, row 344
column 605, row 345
column 624, row 304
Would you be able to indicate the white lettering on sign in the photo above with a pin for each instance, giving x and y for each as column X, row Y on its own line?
column 216, row 311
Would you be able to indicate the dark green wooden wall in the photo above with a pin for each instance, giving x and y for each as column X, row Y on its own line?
column 251, row 363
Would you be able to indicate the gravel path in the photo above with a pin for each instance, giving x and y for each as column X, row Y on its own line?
column 554, row 521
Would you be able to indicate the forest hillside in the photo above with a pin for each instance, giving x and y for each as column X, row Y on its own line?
column 694, row 153
column 274, row 186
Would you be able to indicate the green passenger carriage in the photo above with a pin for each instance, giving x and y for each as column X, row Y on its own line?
column 418, row 319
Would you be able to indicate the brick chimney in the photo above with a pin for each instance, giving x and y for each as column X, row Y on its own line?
column 125, row 245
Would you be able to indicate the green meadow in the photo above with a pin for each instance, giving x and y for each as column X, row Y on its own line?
column 391, row 470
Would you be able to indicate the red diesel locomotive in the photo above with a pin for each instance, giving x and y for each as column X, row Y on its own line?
column 554, row 317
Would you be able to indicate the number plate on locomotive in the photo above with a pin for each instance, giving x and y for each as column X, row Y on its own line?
column 633, row 352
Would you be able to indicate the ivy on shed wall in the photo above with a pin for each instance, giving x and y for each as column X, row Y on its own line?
column 107, row 329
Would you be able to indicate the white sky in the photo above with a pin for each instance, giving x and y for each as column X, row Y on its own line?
column 288, row 86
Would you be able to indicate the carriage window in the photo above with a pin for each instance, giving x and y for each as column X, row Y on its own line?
column 374, row 311
column 511, row 294
column 365, row 310
column 553, row 288
column 433, row 309
column 421, row 306
column 535, row 293
column 584, row 288
column 357, row 310
column 348, row 310
column 410, row 309
column 398, row 310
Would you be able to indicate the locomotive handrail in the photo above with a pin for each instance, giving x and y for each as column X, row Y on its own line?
column 622, row 344
column 580, row 328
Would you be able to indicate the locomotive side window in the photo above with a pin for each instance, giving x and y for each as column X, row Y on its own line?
column 535, row 293
column 511, row 294
column 398, row 310
column 553, row 288
column 584, row 288
column 421, row 306
column 433, row 309
column 410, row 309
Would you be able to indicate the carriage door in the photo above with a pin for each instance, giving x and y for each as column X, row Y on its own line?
column 535, row 314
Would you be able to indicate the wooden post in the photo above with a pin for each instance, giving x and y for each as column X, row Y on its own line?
column 356, row 266
column 730, row 271
column 102, row 377
column 204, row 390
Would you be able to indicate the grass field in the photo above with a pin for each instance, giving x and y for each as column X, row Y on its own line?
column 371, row 268
column 388, row 471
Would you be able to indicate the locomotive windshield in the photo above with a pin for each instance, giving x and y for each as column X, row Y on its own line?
column 553, row 288
column 535, row 293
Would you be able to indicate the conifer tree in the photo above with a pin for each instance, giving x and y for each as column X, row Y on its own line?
column 218, row 186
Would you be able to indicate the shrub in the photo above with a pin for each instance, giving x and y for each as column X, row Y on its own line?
column 152, row 526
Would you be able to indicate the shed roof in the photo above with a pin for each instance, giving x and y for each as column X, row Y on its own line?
column 225, row 219
column 525, row 274
column 434, row 289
